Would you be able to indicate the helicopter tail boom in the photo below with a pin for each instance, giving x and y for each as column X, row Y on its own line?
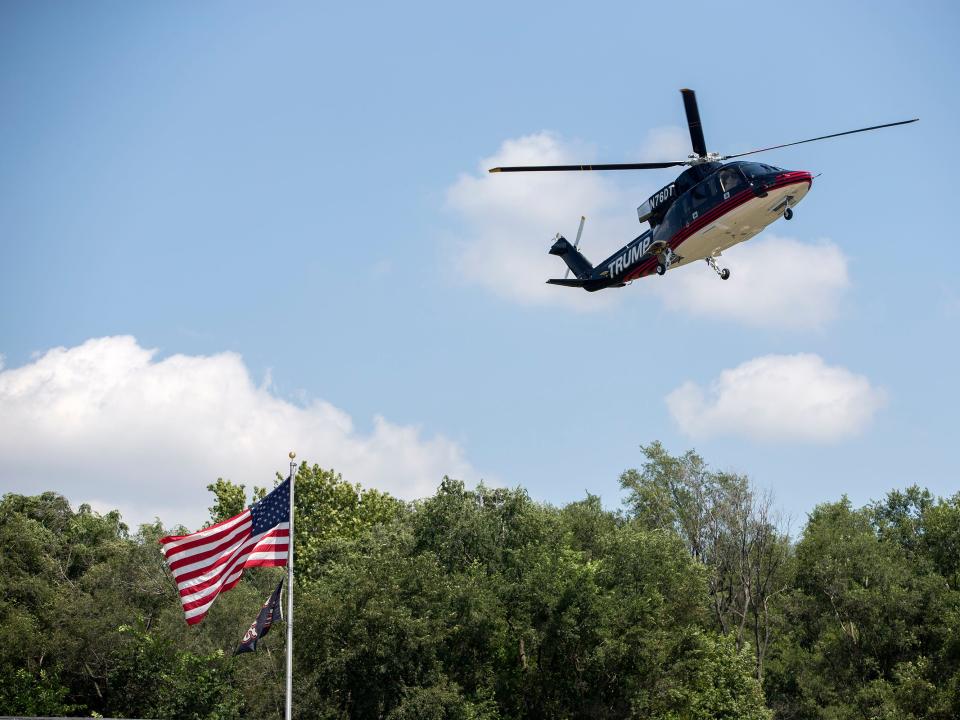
column 574, row 259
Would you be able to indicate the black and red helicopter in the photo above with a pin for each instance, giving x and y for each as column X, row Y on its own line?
column 710, row 207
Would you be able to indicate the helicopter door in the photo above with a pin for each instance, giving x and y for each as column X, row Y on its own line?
column 704, row 196
column 731, row 181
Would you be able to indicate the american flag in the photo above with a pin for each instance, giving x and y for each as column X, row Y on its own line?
column 212, row 560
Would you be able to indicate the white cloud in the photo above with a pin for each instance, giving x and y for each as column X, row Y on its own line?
column 775, row 282
column 107, row 423
column 779, row 398
column 663, row 144
column 509, row 218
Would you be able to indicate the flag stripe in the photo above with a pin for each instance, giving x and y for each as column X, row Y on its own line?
column 173, row 541
column 261, row 559
column 208, row 544
column 202, row 570
column 201, row 582
column 205, row 568
column 200, row 555
column 208, row 595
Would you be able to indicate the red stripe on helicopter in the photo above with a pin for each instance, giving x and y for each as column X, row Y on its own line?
column 647, row 266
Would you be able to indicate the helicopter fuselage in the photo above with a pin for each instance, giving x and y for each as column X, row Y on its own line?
column 706, row 210
column 703, row 222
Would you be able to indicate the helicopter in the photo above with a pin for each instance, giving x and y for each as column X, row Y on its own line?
column 710, row 207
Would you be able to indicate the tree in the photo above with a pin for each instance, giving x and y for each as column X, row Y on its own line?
column 40, row 694
column 155, row 679
column 712, row 679
column 872, row 621
column 724, row 524
column 371, row 627
column 69, row 581
column 441, row 701
column 230, row 500
column 330, row 509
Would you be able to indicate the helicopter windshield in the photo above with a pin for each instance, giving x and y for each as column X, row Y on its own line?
column 752, row 169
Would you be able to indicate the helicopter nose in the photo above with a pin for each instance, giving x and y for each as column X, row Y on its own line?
column 792, row 176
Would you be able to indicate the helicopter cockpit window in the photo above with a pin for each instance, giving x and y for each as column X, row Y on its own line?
column 704, row 195
column 672, row 221
column 730, row 178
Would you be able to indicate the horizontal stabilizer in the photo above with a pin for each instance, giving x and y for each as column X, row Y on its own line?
column 569, row 282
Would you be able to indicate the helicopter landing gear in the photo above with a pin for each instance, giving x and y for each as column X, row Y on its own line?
column 787, row 214
column 724, row 273
column 664, row 261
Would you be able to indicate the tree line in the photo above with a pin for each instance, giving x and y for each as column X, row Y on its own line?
column 692, row 600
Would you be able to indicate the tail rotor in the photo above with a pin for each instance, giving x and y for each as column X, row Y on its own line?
column 576, row 245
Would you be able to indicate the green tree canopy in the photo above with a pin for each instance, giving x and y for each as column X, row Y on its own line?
column 482, row 603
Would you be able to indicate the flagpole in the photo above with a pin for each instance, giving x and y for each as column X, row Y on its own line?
column 289, row 711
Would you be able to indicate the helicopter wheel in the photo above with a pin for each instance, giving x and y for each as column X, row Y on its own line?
column 788, row 214
column 661, row 269
column 724, row 274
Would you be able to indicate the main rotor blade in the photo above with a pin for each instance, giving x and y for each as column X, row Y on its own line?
column 614, row 166
column 823, row 137
column 693, row 122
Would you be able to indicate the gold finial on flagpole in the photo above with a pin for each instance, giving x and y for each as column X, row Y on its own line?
column 292, row 455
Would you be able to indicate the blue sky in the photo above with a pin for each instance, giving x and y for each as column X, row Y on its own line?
column 291, row 196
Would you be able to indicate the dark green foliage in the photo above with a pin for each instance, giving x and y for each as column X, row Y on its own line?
column 482, row 604
column 152, row 678
column 441, row 701
column 23, row 693
column 71, row 585
column 729, row 528
column 709, row 679
column 874, row 622
column 329, row 509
